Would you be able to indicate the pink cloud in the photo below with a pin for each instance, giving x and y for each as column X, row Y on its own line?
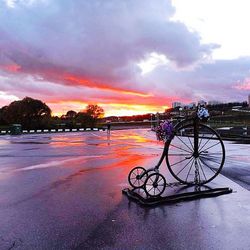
column 90, row 53
column 245, row 85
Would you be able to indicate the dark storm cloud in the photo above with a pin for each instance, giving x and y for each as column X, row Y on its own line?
column 99, row 40
column 97, row 45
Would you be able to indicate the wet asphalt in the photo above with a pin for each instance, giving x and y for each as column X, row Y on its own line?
column 63, row 191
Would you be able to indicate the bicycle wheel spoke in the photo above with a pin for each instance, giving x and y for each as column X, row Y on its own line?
column 190, row 169
column 159, row 180
column 202, row 169
column 178, row 154
column 210, row 156
column 184, row 143
column 212, row 146
column 134, row 182
column 150, row 189
column 208, row 166
column 210, row 153
column 213, row 159
column 179, row 162
column 157, row 187
column 204, row 137
column 184, row 166
column 190, row 143
column 151, row 179
column 210, row 159
column 181, row 148
column 201, row 138
column 207, row 142
column 180, row 158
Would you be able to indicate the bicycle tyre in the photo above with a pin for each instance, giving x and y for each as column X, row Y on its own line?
column 134, row 177
column 182, row 163
column 155, row 185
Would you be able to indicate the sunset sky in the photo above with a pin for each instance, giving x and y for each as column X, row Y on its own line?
column 128, row 56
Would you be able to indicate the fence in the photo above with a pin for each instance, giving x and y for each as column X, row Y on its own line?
column 59, row 130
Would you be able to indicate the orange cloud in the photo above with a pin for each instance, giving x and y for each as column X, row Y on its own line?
column 77, row 91
column 93, row 84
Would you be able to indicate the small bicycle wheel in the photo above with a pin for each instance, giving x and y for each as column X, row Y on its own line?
column 137, row 177
column 155, row 185
column 202, row 167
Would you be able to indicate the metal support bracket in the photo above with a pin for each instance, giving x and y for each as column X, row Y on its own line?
column 170, row 199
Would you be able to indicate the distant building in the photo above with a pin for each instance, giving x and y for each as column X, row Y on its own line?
column 248, row 100
column 191, row 105
column 176, row 104
column 213, row 102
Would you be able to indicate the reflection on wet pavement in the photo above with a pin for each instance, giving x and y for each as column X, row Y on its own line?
column 65, row 189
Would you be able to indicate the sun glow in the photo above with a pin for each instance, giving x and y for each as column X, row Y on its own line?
column 116, row 109
column 111, row 109
column 61, row 108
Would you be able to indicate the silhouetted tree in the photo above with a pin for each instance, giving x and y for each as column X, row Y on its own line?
column 31, row 113
column 3, row 111
column 85, row 119
column 95, row 111
column 71, row 114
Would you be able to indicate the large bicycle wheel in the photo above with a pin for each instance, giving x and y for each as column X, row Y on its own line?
column 189, row 168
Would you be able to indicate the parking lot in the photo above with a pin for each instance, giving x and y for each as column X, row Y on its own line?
column 63, row 191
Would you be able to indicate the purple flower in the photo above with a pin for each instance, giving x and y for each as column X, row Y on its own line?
column 165, row 130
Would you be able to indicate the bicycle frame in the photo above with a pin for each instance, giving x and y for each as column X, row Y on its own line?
column 196, row 149
column 195, row 121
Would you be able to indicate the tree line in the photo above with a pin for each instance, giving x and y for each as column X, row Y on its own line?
column 35, row 114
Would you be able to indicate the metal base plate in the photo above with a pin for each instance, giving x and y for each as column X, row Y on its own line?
column 174, row 198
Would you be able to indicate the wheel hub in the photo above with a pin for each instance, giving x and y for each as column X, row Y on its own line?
column 196, row 155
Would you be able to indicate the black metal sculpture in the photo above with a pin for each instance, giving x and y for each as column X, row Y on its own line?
column 194, row 154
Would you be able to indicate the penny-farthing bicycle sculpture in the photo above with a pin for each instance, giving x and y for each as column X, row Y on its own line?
column 193, row 151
